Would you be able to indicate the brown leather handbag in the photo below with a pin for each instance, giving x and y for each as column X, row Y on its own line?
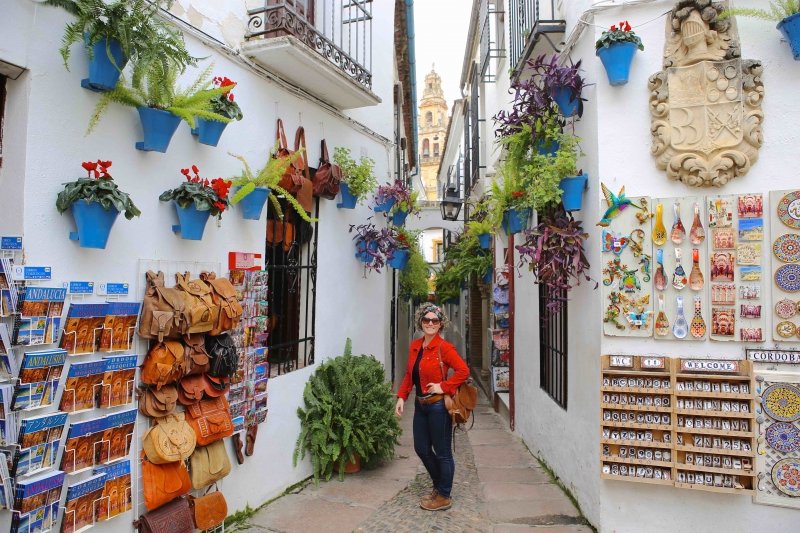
column 224, row 296
column 192, row 389
column 156, row 403
column 292, row 179
column 163, row 310
column 174, row 517
column 209, row 511
column 210, row 420
column 461, row 404
column 305, row 193
column 169, row 439
column 209, row 464
column 164, row 364
column 201, row 313
column 164, row 483
column 328, row 177
column 195, row 354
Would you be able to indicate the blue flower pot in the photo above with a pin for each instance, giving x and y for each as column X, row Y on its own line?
column 94, row 223
column 158, row 127
column 208, row 131
column 253, row 203
column 399, row 260
column 362, row 254
column 485, row 240
column 487, row 277
column 573, row 187
column 790, row 28
column 384, row 207
column 566, row 106
column 399, row 218
column 515, row 221
column 617, row 60
column 192, row 223
column 103, row 72
column 547, row 147
column 348, row 200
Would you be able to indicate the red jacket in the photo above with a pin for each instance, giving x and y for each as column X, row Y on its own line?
column 429, row 369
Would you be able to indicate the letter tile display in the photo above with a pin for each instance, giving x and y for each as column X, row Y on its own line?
column 785, row 273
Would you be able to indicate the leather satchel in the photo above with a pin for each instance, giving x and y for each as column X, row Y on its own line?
column 461, row 404
column 201, row 311
column 210, row 420
column 192, row 389
column 163, row 483
column 170, row 439
column 195, row 354
column 305, row 193
column 209, row 511
column 156, row 403
column 224, row 296
column 292, row 179
column 224, row 355
column 164, row 364
column 209, row 464
column 163, row 310
column 328, row 177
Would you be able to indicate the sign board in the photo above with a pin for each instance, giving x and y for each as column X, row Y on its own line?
column 709, row 365
column 244, row 261
column 113, row 289
column 652, row 362
column 774, row 356
column 32, row 273
column 11, row 243
column 79, row 287
column 620, row 361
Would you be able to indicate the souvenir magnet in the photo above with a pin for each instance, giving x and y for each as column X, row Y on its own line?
column 678, row 231
column 680, row 329
column 697, row 234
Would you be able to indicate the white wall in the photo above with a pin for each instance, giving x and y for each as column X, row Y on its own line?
column 47, row 114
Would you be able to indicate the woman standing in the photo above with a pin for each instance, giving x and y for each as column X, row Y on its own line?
column 430, row 359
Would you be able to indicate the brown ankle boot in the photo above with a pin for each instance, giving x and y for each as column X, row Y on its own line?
column 438, row 503
column 426, row 499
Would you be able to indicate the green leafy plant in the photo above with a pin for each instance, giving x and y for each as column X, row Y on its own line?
column 156, row 86
column 407, row 205
column 462, row 259
column 99, row 187
column 621, row 34
column 225, row 104
column 204, row 194
column 359, row 176
column 778, row 10
column 480, row 227
column 135, row 24
column 414, row 279
column 348, row 410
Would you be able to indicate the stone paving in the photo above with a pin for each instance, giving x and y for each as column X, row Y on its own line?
column 499, row 487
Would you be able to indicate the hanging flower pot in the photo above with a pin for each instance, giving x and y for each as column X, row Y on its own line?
column 566, row 106
column 548, row 147
column 573, row 187
column 384, row 206
column 363, row 251
column 487, row 277
column 192, row 223
column 253, row 203
column 617, row 59
column 485, row 240
column 208, row 131
column 399, row 218
column 790, row 28
column 349, row 201
column 94, row 223
column 158, row 127
column 103, row 72
column 515, row 220
column 400, row 259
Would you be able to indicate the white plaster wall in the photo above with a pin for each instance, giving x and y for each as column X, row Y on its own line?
column 46, row 141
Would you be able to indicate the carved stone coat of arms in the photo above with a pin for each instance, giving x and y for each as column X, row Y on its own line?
column 705, row 105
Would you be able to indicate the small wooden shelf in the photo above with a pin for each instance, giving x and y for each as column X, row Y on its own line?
column 638, row 390
column 713, row 489
column 716, row 395
column 714, row 414
column 652, row 481
column 642, row 408
column 716, row 470
column 719, row 432
column 637, row 425
column 639, row 443
column 662, row 373
column 714, row 451
column 643, row 462
column 716, row 377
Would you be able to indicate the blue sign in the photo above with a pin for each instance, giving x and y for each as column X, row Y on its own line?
column 113, row 289
column 32, row 273
column 81, row 287
column 10, row 243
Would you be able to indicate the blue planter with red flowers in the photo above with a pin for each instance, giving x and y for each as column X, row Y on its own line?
column 566, row 105
column 384, row 206
column 94, row 223
column 158, row 126
column 485, row 240
column 573, row 187
column 105, row 65
column 400, row 258
column 192, row 223
column 515, row 220
column 208, row 132
column 349, row 201
column 790, row 28
column 253, row 203
column 617, row 59
column 363, row 251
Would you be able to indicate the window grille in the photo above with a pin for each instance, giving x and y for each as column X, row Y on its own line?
column 553, row 345
column 492, row 41
column 475, row 142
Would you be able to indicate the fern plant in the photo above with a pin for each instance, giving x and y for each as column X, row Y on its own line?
column 778, row 10
column 155, row 86
column 348, row 410
column 414, row 279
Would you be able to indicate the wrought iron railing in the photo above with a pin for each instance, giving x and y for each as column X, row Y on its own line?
column 529, row 19
column 338, row 30
column 492, row 32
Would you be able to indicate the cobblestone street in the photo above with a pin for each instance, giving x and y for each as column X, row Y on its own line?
column 499, row 487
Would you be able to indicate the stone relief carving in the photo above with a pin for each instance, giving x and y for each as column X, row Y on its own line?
column 705, row 104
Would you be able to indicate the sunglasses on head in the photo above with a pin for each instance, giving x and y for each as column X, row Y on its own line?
column 426, row 320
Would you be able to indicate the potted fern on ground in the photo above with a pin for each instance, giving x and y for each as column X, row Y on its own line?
column 785, row 12
column 347, row 417
column 358, row 179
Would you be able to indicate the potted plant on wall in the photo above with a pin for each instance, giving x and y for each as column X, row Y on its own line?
column 616, row 48
column 95, row 202
column 510, row 207
column 404, row 207
column 358, row 179
column 371, row 245
column 785, row 12
column 161, row 104
column 195, row 200
column 483, row 231
column 563, row 83
column 414, row 279
column 400, row 245
column 118, row 31
column 209, row 131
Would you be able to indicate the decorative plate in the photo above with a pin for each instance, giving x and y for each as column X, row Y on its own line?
column 787, row 278
column 786, row 329
column 787, row 248
column 785, row 308
column 789, row 209
column 783, row 437
column 786, row 476
column 781, row 401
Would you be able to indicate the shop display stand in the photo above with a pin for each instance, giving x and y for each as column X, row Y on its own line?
column 70, row 516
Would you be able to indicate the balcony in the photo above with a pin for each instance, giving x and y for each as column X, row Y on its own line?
column 533, row 22
column 327, row 51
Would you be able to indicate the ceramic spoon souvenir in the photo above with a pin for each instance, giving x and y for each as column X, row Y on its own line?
column 662, row 322
column 678, row 231
column 698, row 325
column 697, row 234
column 695, row 276
column 681, row 327
column 659, row 231
column 660, row 278
column 679, row 276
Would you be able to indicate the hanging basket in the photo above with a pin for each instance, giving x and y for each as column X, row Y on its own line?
column 399, row 218
column 485, row 240
column 94, row 223
column 104, row 72
column 208, row 131
column 515, row 220
column 566, row 106
column 617, row 60
column 399, row 260
column 573, row 187
column 159, row 127
column 348, row 200
column 253, row 203
column 192, row 223
column 384, row 207
column 790, row 28
column 363, row 251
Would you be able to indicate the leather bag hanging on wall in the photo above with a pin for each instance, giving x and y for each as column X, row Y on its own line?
column 195, row 354
column 163, row 483
column 192, row 389
column 174, row 517
column 209, row 464
column 164, row 364
column 202, row 313
column 224, row 296
column 292, row 180
column 328, row 177
column 224, row 355
column 210, row 420
column 163, row 310
column 169, row 439
column 305, row 193
column 156, row 403
column 209, row 511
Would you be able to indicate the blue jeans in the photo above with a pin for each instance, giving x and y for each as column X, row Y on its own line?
column 433, row 433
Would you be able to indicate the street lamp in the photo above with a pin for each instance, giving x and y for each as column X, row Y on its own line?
column 451, row 204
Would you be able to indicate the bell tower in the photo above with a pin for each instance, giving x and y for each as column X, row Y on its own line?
column 433, row 123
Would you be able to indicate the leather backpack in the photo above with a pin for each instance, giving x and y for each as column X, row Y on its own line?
column 192, row 389
column 461, row 404
column 162, row 484
column 305, row 193
column 202, row 313
column 169, row 439
column 328, row 177
column 195, row 354
column 164, row 364
column 163, row 310
column 224, row 355
column 224, row 296
column 292, row 179
column 209, row 464
column 209, row 510
column 156, row 403
column 210, row 420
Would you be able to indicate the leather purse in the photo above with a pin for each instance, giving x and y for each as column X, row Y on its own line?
column 171, row 438
column 292, row 179
column 209, row 464
column 210, row 420
column 195, row 354
column 209, row 511
column 224, row 355
column 163, row 310
column 163, row 483
column 305, row 193
column 224, row 296
column 156, row 403
column 164, row 364
column 201, row 311
column 192, row 389
column 328, row 177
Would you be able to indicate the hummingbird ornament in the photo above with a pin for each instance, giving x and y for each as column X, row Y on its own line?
column 617, row 203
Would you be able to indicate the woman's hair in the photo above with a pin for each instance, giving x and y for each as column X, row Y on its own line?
column 426, row 308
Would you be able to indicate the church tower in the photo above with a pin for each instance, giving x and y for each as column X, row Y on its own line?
column 433, row 122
